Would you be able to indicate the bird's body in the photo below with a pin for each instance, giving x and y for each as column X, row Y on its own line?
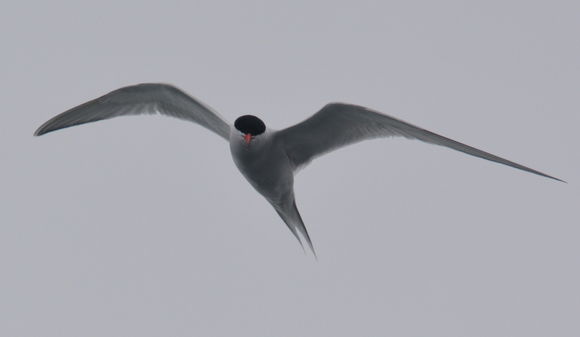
column 267, row 158
column 266, row 166
column 263, row 163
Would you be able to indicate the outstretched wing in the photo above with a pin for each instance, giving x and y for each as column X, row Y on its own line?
column 146, row 98
column 338, row 124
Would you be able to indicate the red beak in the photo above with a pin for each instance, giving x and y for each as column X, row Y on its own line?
column 248, row 138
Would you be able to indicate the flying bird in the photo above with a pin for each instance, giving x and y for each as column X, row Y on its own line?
column 267, row 158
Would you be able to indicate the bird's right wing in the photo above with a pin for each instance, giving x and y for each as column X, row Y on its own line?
column 146, row 98
column 338, row 124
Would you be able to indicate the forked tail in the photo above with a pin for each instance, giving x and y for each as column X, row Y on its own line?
column 293, row 220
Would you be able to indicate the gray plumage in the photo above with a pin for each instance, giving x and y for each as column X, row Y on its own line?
column 146, row 98
column 267, row 158
column 339, row 124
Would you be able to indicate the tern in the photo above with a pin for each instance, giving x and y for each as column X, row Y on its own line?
column 267, row 158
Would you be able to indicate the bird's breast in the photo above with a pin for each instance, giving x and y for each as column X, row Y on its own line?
column 264, row 165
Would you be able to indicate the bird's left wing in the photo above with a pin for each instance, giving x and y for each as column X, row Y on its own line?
column 146, row 98
column 338, row 124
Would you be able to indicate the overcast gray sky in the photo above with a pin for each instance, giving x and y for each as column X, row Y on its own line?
column 142, row 226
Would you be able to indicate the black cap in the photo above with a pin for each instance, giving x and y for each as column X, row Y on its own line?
column 250, row 124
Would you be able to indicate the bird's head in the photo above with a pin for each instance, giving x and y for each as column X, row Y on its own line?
column 249, row 127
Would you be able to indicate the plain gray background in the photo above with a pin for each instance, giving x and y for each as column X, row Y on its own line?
column 143, row 226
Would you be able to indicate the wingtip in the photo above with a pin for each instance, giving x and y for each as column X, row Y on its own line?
column 46, row 128
column 42, row 130
column 554, row 178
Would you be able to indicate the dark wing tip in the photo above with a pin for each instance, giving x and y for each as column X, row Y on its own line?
column 554, row 178
column 544, row 175
column 560, row 180
column 40, row 131
column 44, row 128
